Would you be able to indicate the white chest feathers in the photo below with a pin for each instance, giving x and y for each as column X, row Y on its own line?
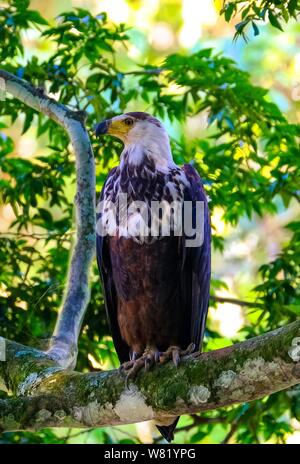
column 142, row 202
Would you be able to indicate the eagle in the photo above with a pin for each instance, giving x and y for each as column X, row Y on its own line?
column 156, row 286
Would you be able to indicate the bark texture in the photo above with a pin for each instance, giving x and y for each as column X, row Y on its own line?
column 45, row 394
column 64, row 342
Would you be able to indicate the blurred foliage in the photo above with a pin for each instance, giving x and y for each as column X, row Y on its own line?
column 248, row 159
column 253, row 12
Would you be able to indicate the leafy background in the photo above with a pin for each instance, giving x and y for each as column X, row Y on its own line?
column 225, row 79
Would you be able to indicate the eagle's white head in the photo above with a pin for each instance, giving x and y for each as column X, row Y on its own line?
column 142, row 134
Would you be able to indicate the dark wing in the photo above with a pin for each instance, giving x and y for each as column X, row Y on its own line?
column 108, row 288
column 196, row 267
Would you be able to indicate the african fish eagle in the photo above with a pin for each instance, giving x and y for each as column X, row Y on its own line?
column 156, row 288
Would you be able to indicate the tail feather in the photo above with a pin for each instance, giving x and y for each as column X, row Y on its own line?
column 167, row 431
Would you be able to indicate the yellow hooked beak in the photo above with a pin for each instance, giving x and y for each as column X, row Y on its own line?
column 118, row 128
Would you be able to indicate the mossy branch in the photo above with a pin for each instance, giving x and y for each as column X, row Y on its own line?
column 44, row 394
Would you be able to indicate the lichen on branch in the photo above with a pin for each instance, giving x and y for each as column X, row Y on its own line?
column 47, row 395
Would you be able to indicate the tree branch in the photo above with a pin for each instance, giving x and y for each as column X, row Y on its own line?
column 47, row 395
column 64, row 343
column 235, row 301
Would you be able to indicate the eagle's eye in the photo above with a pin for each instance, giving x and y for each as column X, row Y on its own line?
column 128, row 121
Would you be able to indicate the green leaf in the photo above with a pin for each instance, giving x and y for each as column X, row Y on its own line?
column 46, row 215
column 22, row 4
column 229, row 10
column 198, row 436
column 255, row 28
column 28, row 120
column 35, row 17
column 297, row 408
column 285, row 14
column 294, row 309
column 240, row 26
column 292, row 6
column 274, row 21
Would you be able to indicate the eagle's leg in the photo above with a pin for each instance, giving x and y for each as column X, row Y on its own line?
column 175, row 353
column 150, row 356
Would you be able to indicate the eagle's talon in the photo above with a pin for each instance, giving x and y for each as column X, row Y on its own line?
column 152, row 356
column 147, row 365
column 157, row 355
column 189, row 349
column 176, row 358
column 175, row 353
column 130, row 368
column 126, row 366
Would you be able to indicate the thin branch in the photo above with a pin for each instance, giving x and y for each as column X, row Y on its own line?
column 235, row 301
column 128, row 434
column 38, row 236
column 199, row 420
column 64, row 342
column 233, row 429
column 154, row 71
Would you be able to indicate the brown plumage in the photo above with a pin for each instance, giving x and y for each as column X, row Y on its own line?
column 149, row 306
column 156, row 291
